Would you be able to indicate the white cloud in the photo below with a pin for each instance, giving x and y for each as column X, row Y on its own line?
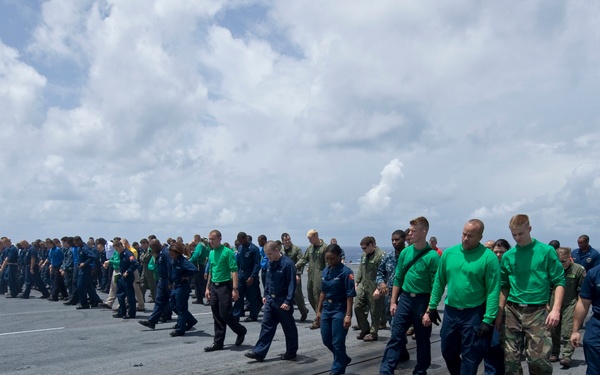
column 266, row 117
column 377, row 199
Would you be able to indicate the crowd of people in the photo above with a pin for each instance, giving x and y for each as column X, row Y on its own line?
column 500, row 302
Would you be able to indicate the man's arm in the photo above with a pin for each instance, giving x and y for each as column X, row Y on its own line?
column 553, row 318
column 581, row 310
column 234, row 294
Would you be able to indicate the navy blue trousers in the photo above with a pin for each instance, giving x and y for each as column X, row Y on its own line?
column 462, row 350
column 162, row 306
column 34, row 278
column 125, row 289
column 273, row 315
column 179, row 304
column 409, row 312
column 252, row 294
column 334, row 334
column 85, row 287
column 591, row 346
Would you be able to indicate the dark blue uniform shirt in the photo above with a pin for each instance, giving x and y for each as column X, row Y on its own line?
column 182, row 270
column 30, row 253
column 337, row 283
column 281, row 280
column 86, row 255
column 12, row 254
column 248, row 260
column 163, row 264
column 56, row 256
column 588, row 259
column 127, row 263
column 590, row 288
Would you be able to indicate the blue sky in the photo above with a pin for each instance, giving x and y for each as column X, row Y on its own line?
column 136, row 117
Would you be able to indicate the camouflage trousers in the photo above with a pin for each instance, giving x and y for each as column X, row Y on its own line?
column 313, row 289
column 525, row 329
column 561, row 334
column 364, row 304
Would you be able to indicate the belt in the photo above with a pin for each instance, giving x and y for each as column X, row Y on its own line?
column 525, row 305
column 335, row 300
column 224, row 283
column 414, row 295
column 281, row 296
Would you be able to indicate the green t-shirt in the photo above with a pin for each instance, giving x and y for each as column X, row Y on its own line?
column 528, row 272
column 115, row 261
column 472, row 277
column 200, row 254
column 420, row 276
column 222, row 264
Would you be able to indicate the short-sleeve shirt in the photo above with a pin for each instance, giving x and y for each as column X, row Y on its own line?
column 222, row 264
column 590, row 289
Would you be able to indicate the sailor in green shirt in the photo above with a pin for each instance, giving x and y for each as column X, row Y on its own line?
column 198, row 259
column 222, row 290
column 415, row 282
column 472, row 274
column 527, row 272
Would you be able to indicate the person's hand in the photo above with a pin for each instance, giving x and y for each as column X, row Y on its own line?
column 285, row 306
column 575, row 339
column 484, row 329
column 207, row 294
column 376, row 294
column 383, row 289
column 347, row 321
column 235, row 295
column 498, row 322
column 393, row 307
column 434, row 316
column 553, row 318
column 250, row 281
column 297, row 279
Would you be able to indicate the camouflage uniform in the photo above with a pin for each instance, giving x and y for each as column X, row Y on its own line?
column 526, row 274
column 385, row 274
column 574, row 275
column 315, row 257
column 366, row 285
column 294, row 254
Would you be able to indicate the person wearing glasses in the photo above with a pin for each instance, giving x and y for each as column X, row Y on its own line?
column 574, row 274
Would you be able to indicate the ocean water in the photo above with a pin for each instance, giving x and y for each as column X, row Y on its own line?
column 353, row 253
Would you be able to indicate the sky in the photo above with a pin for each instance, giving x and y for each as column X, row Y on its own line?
column 136, row 117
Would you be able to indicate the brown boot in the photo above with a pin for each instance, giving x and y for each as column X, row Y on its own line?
column 315, row 325
column 565, row 362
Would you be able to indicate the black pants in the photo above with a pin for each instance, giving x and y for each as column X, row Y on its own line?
column 58, row 284
column 222, row 310
column 199, row 285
